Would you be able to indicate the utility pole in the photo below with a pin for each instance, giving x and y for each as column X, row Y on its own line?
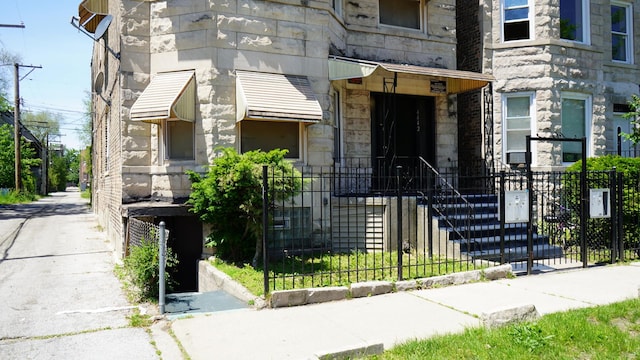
column 16, row 126
column 16, row 121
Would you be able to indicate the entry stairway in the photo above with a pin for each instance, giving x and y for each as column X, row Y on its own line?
column 476, row 233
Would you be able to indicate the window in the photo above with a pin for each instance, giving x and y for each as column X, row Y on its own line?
column 574, row 20
column 337, row 127
column 519, row 110
column 621, row 47
column 269, row 135
column 516, row 18
column 576, row 123
column 179, row 140
column 401, row 13
column 337, row 7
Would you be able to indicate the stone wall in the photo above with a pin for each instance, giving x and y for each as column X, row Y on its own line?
column 550, row 67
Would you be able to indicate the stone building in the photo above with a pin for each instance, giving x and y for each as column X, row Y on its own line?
column 563, row 69
column 175, row 79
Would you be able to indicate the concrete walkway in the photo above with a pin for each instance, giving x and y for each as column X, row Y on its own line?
column 338, row 329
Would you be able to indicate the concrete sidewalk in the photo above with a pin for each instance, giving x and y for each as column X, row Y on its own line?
column 380, row 322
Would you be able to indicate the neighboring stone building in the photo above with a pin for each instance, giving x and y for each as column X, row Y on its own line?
column 564, row 68
column 175, row 79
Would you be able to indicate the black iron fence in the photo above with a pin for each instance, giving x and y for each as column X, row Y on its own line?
column 353, row 222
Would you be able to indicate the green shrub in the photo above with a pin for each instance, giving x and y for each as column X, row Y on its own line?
column 142, row 269
column 229, row 197
column 630, row 168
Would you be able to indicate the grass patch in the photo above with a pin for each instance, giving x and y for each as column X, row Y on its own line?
column 296, row 272
column 16, row 197
column 603, row 332
column 138, row 320
column 86, row 194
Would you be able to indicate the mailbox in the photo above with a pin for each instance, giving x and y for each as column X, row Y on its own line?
column 516, row 206
column 599, row 203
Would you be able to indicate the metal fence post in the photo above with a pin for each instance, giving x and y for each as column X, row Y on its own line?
column 584, row 205
column 613, row 219
column 620, row 213
column 265, row 225
column 161, row 267
column 502, row 214
column 399, row 212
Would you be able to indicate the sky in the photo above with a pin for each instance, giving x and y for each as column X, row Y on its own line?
column 49, row 40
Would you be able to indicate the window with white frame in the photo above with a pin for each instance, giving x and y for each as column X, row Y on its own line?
column 401, row 13
column 574, row 20
column 576, row 123
column 337, row 127
column 269, row 135
column 519, row 111
column 621, row 32
column 337, row 7
column 179, row 140
column 517, row 20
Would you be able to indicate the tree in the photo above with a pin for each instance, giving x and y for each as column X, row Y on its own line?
column 86, row 129
column 6, row 78
column 229, row 198
column 42, row 123
column 7, row 161
column 634, row 117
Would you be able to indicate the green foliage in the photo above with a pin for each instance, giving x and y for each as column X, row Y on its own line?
column 7, row 161
column 64, row 169
column 634, row 117
column 42, row 123
column 630, row 168
column 528, row 335
column 142, row 269
column 229, row 198
column 15, row 197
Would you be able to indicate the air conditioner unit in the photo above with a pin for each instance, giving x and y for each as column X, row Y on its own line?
column 516, row 158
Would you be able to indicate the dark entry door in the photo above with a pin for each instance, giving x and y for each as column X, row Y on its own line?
column 403, row 129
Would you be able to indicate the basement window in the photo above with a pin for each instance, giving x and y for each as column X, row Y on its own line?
column 401, row 13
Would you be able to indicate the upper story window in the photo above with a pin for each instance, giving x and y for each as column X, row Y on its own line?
column 270, row 135
column 574, row 20
column 401, row 13
column 517, row 20
column 337, row 7
column 621, row 37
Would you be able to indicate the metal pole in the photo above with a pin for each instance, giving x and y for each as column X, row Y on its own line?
column 161, row 265
column 16, row 126
column 530, row 221
column 399, row 213
column 265, row 226
column 584, row 205
column 502, row 215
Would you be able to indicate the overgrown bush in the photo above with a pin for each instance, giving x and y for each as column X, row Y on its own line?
column 229, row 197
column 142, row 268
column 630, row 168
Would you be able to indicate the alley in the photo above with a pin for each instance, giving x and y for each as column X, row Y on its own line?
column 59, row 297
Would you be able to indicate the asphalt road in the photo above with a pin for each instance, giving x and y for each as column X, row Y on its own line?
column 59, row 297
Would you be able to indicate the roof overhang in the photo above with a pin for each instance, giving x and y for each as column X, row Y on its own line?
column 268, row 96
column 91, row 12
column 457, row 81
column 169, row 96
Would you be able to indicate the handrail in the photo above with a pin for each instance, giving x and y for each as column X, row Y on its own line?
column 444, row 181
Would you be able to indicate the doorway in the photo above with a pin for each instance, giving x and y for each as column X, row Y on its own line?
column 402, row 129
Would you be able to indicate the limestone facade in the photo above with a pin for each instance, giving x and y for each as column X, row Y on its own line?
column 215, row 38
column 550, row 67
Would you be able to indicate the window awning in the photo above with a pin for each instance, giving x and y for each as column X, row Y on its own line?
column 266, row 96
column 457, row 81
column 169, row 96
column 91, row 12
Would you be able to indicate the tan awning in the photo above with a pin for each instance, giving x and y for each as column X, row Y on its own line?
column 266, row 96
column 457, row 81
column 169, row 96
column 91, row 12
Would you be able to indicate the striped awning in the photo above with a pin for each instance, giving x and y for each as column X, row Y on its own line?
column 91, row 12
column 169, row 96
column 457, row 81
column 267, row 96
